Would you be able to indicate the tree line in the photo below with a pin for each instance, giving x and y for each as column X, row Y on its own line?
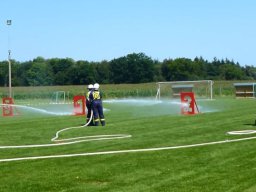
column 132, row 68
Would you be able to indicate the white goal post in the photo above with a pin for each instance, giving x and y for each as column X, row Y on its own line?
column 201, row 88
column 59, row 97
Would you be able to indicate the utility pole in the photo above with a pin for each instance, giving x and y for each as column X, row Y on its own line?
column 9, row 23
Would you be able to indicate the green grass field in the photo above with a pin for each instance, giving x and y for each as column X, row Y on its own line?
column 222, row 167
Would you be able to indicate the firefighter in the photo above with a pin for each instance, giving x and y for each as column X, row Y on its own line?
column 89, row 105
column 96, row 99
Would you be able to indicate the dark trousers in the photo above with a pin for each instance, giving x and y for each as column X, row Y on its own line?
column 98, row 113
column 89, row 113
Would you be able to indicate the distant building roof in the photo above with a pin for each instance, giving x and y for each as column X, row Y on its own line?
column 244, row 84
column 182, row 86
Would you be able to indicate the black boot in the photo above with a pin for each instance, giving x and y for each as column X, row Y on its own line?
column 91, row 123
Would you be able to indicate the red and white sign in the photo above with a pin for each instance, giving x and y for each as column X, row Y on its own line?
column 7, row 106
column 79, row 105
column 188, row 103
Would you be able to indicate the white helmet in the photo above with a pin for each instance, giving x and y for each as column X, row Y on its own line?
column 96, row 86
column 90, row 86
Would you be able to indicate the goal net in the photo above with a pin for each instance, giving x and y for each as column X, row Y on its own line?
column 172, row 89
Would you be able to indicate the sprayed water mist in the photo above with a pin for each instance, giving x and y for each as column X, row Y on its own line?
column 57, row 110
column 153, row 107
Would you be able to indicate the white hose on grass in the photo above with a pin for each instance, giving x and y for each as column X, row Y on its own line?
column 68, row 128
column 70, row 141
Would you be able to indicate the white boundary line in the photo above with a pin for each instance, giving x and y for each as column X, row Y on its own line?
column 243, row 132
column 126, row 151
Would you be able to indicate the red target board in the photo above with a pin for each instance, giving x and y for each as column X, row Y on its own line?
column 188, row 103
column 7, row 106
column 79, row 105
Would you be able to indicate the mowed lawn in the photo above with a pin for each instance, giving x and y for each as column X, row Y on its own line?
column 229, row 166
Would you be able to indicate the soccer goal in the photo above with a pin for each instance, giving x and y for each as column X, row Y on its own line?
column 59, row 97
column 203, row 89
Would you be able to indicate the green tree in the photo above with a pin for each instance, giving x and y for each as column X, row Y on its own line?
column 199, row 65
column 231, row 72
column 3, row 73
column 134, row 68
column 60, row 69
column 39, row 74
column 102, row 72
column 181, row 69
column 212, row 69
column 250, row 72
column 82, row 73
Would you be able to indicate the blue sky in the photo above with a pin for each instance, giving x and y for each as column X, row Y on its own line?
column 97, row 30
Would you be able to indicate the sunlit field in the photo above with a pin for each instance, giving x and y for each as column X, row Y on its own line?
column 164, row 150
